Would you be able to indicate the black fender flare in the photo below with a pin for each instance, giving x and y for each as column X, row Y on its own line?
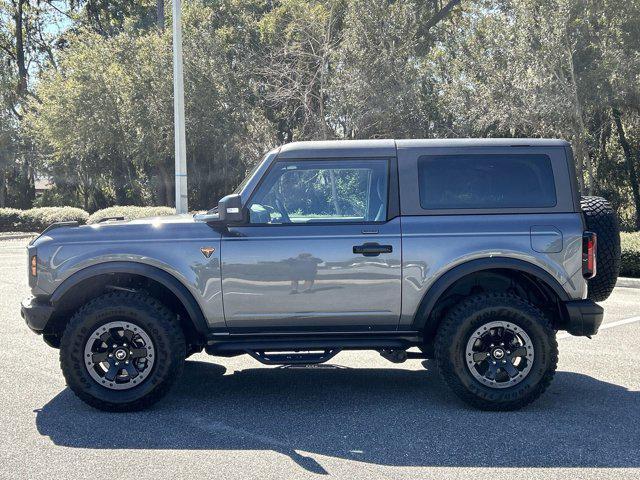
column 135, row 268
column 433, row 294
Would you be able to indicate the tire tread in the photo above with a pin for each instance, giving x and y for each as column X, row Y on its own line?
column 165, row 320
column 601, row 219
column 445, row 338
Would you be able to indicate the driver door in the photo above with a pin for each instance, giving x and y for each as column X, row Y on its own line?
column 319, row 251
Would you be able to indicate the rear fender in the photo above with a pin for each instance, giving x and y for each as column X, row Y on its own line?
column 422, row 320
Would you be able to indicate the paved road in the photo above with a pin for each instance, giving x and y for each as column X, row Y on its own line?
column 360, row 418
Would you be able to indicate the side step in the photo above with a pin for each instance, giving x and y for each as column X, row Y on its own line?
column 312, row 348
column 293, row 358
column 219, row 343
column 400, row 356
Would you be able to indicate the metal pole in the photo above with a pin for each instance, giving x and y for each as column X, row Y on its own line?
column 178, row 113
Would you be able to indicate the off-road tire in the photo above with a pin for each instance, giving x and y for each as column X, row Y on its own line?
column 601, row 219
column 157, row 321
column 470, row 314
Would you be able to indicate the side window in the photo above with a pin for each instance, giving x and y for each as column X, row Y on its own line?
column 304, row 191
column 486, row 181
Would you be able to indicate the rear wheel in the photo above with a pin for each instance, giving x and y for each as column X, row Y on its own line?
column 496, row 351
column 122, row 351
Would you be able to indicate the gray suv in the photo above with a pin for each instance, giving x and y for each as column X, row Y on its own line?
column 469, row 252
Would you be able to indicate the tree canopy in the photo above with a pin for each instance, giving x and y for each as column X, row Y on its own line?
column 86, row 87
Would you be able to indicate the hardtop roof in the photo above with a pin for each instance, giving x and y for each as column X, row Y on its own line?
column 387, row 147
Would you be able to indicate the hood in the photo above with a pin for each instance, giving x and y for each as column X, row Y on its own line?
column 153, row 228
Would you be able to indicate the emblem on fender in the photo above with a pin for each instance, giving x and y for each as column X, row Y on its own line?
column 207, row 251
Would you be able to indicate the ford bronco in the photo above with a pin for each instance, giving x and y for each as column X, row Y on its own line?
column 473, row 253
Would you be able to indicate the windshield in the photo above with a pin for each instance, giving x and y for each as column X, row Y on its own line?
column 244, row 182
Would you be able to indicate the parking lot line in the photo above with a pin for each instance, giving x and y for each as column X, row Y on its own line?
column 604, row 326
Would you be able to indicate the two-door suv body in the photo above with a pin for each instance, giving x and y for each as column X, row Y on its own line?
column 474, row 251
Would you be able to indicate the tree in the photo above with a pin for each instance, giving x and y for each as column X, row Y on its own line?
column 110, row 17
column 298, row 40
column 8, row 129
column 539, row 68
column 105, row 116
column 376, row 90
column 27, row 40
column 97, row 110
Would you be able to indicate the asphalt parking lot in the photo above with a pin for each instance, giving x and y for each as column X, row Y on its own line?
column 361, row 417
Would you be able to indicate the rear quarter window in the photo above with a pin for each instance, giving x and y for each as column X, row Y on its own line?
column 486, row 181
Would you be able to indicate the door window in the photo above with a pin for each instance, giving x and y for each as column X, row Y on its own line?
column 316, row 191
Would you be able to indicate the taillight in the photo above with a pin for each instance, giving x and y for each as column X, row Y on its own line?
column 589, row 250
column 34, row 265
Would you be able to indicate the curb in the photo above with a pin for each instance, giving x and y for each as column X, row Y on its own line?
column 17, row 236
column 628, row 282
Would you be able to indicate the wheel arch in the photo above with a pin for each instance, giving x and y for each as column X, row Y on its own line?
column 93, row 279
column 424, row 319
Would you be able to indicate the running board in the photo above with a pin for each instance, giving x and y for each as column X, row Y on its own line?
column 293, row 358
column 234, row 343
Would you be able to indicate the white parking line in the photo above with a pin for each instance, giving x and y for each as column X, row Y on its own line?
column 604, row 326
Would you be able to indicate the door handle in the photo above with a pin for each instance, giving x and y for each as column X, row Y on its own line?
column 372, row 249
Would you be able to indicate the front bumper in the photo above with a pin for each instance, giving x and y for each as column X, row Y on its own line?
column 584, row 317
column 36, row 313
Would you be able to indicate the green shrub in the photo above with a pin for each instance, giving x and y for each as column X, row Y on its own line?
column 37, row 219
column 630, row 243
column 9, row 219
column 129, row 212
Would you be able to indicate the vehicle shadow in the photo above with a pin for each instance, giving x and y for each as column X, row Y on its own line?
column 382, row 416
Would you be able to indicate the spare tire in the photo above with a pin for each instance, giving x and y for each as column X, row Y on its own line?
column 602, row 220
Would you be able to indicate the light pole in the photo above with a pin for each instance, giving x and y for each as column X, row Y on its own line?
column 178, row 113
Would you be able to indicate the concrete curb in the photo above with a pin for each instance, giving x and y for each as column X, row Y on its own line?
column 17, row 236
column 628, row 282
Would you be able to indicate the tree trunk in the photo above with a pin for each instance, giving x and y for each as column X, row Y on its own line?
column 135, row 195
column 440, row 15
column 578, row 159
column 20, row 55
column 605, row 135
column 581, row 147
column 160, row 15
column 24, row 186
column 85, row 199
column 3, row 188
column 334, row 193
column 120, row 183
column 628, row 155
column 161, row 194
column 324, row 70
column 170, row 188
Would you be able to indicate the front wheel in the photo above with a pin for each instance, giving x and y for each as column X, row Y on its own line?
column 122, row 351
column 496, row 351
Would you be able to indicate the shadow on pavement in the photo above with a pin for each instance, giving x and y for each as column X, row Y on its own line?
column 381, row 416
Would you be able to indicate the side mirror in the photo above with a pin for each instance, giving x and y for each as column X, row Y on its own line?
column 230, row 209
